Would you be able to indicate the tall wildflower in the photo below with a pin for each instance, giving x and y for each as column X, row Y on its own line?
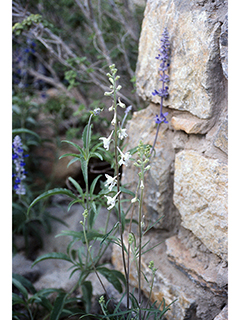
column 164, row 78
column 163, row 57
column 19, row 172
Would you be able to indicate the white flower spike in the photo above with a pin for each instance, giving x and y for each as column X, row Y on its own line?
column 106, row 141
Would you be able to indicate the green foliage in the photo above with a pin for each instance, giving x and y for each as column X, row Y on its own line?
column 28, row 303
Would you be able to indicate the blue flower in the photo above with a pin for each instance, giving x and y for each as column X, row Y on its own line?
column 161, row 118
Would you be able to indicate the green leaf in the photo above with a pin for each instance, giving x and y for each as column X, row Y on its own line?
column 17, row 300
column 20, row 287
column 72, row 161
column 76, row 185
column 52, row 255
column 106, row 236
column 25, row 282
column 23, row 130
column 75, row 145
column 51, row 193
column 113, row 277
column 69, row 154
column 87, row 140
column 84, row 168
column 127, row 191
column 152, row 225
column 96, row 155
column 58, row 306
column 87, row 294
column 75, row 234
column 93, row 185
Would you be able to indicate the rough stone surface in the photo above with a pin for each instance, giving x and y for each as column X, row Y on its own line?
column 221, row 140
column 223, row 41
column 200, row 194
column 159, row 179
column 197, row 262
column 189, row 124
column 223, row 315
column 196, row 74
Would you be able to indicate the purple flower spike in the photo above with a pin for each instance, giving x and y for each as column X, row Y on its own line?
column 19, row 166
column 163, row 58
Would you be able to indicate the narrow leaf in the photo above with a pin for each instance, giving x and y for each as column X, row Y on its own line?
column 58, row 306
column 72, row 161
column 127, row 191
column 76, row 185
column 20, row 287
column 87, row 294
column 84, row 169
column 25, row 282
column 93, row 185
column 113, row 277
column 17, row 300
column 69, row 155
column 51, row 193
column 75, row 145
column 23, row 130
column 52, row 255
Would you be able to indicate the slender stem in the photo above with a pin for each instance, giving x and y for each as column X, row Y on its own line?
column 118, row 190
column 87, row 160
column 149, row 297
column 140, row 251
column 155, row 140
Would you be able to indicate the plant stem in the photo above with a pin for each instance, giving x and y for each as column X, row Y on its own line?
column 140, row 251
column 118, row 190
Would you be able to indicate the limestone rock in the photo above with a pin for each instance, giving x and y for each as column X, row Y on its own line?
column 196, row 77
column 158, row 180
column 221, row 140
column 190, row 124
column 200, row 265
column 200, row 194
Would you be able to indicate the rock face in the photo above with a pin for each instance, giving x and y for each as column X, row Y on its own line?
column 159, row 179
column 200, row 194
column 187, row 182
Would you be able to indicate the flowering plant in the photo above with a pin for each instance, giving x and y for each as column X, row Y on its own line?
column 112, row 191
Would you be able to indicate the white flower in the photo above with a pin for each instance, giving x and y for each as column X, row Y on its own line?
column 106, row 141
column 122, row 133
column 141, row 185
column 111, row 181
column 122, row 105
column 111, row 201
column 124, row 157
column 114, row 120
